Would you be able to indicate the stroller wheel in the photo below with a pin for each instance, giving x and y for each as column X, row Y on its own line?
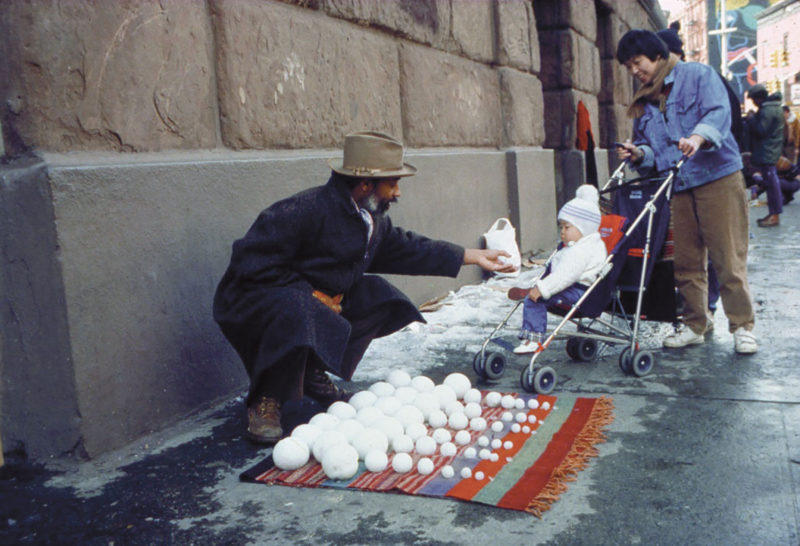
column 642, row 363
column 478, row 366
column 526, row 379
column 572, row 348
column 544, row 381
column 625, row 361
column 494, row 365
column 587, row 349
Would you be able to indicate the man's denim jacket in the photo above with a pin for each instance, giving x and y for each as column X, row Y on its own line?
column 697, row 104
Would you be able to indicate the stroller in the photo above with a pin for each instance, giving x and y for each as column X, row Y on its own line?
column 619, row 289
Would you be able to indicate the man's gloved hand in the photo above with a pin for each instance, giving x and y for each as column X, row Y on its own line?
column 334, row 303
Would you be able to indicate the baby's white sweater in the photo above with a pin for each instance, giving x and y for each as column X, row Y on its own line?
column 579, row 261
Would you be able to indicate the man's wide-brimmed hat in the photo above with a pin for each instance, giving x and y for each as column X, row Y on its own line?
column 368, row 154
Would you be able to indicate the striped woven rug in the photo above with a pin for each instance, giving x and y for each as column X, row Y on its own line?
column 529, row 476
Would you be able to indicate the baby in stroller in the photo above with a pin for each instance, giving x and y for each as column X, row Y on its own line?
column 573, row 268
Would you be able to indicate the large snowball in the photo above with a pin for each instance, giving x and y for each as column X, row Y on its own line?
column 423, row 383
column 472, row 410
column 403, row 444
column 382, row 388
column 406, row 395
column 437, row 419
column 367, row 416
column 472, row 395
column 459, row 382
column 342, row 410
column 325, row 440
column 370, row 439
column 349, row 428
column 448, row 449
column 425, row 445
column 458, row 421
column 492, row 399
column 388, row 404
column 398, row 378
column 402, row 463
column 477, row 423
column 445, row 395
column 290, row 454
column 408, row 415
column 507, row 401
column 307, row 434
column 425, row 466
column 362, row 399
column 427, row 403
column 376, row 461
column 340, row 462
column 454, row 407
column 441, row 435
column 463, row 437
column 390, row 426
column 448, row 472
column 416, row 430
column 325, row 421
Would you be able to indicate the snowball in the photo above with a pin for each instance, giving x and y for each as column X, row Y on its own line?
column 388, row 404
column 448, row 449
column 519, row 403
column 454, row 407
column 398, row 378
column 526, row 429
column 479, row 475
column 424, row 466
column 472, row 410
column 508, row 444
column 425, row 445
column 349, row 428
column 484, row 453
column 390, row 426
column 459, row 382
column 340, row 462
column 496, row 443
column 515, row 427
column 472, row 395
column 369, row 415
column 325, row 440
column 402, row 463
column 521, row 417
column 307, row 434
column 477, row 423
column 423, row 383
column 470, row 453
column 441, row 435
column 437, row 419
column 507, row 401
column 408, row 415
column 427, row 403
column 533, row 403
column 448, row 472
column 494, row 457
column 497, row 426
column 342, row 410
column 466, row 472
column 290, row 454
column 463, row 437
column 376, row 461
column 381, row 388
column 324, row 421
column 362, row 399
column 483, row 441
column 445, row 395
column 507, row 416
column 492, row 399
column 406, row 395
column 370, row 439
column 403, row 444
column 532, row 419
column 458, row 421
column 546, row 406
column 416, row 431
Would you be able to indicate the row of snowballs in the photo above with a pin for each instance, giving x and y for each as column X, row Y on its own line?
column 395, row 415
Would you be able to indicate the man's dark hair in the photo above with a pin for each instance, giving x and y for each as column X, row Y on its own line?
column 786, row 108
column 673, row 41
column 757, row 93
column 641, row 42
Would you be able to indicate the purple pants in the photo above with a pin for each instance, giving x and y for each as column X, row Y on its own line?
column 534, row 313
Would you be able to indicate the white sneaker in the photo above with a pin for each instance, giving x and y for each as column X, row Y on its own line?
column 526, row 347
column 683, row 338
column 744, row 341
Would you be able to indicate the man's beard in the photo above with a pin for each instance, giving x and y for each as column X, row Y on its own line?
column 375, row 205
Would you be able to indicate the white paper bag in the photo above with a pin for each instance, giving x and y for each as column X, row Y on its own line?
column 503, row 236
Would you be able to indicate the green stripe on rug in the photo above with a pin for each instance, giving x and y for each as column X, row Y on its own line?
column 533, row 448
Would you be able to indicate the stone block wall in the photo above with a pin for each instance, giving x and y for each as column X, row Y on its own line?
column 141, row 137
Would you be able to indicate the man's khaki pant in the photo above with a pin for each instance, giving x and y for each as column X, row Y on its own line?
column 712, row 221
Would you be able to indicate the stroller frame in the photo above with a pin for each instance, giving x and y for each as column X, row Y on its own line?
column 582, row 344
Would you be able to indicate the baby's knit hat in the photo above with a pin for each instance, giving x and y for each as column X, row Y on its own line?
column 583, row 212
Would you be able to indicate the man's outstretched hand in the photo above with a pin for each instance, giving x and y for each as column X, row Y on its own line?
column 489, row 259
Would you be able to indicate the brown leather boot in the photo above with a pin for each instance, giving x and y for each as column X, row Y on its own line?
column 319, row 386
column 264, row 421
column 770, row 220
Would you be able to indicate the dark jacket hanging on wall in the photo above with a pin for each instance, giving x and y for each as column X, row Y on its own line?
column 316, row 239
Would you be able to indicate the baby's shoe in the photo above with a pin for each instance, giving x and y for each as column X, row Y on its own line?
column 526, row 347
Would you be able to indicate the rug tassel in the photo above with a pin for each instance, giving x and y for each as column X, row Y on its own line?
column 583, row 449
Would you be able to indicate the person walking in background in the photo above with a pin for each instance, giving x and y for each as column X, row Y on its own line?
column 791, row 136
column 765, row 127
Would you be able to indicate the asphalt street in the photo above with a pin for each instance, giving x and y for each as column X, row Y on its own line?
column 705, row 450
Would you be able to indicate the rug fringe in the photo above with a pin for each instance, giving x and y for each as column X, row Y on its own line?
column 582, row 451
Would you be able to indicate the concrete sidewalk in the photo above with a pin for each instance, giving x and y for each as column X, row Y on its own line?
column 704, row 450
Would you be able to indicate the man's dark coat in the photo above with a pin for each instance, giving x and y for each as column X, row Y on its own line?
column 316, row 239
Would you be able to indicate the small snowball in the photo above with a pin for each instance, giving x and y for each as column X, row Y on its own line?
column 463, row 437
column 398, row 378
column 508, row 444
column 408, row 415
column 390, row 426
column 497, row 426
column 472, row 410
column 507, row 401
column 425, row 445
column 416, row 431
column 472, row 396
column 546, row 406
column 441, row 435
column 532, row 419
column 445, row 395
column 533, row 403
column 477, row 423
column 388, row 404
column 402, row 463
column 448, row 449
column 369, row 415
column 526, row 429
column 340, row 462
column 290, row 454
column 342, row 410
column 519, row 403
column 515, row 427
column 325, row 440
column 370, row 439
column 362, row 399
column 448, row 472
column 466, row 472
column 437, row 419
column 427, row 403
column 483, row 441
column 484, row 453
column 479, row 475
column 324, row 421
column 382, row 388
column 424, row 466
column 470, row 453
column 403, row 444
column 507, row 416
column 406, row 395
column 307, row 434
column 458, row 421
column 494, row 457
column 496, row 443
column 493, row 399
column 454, row 407
column 459, row 382
column 349, row 428
column 423, row 383
column 376, row 461
column 521, row 417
